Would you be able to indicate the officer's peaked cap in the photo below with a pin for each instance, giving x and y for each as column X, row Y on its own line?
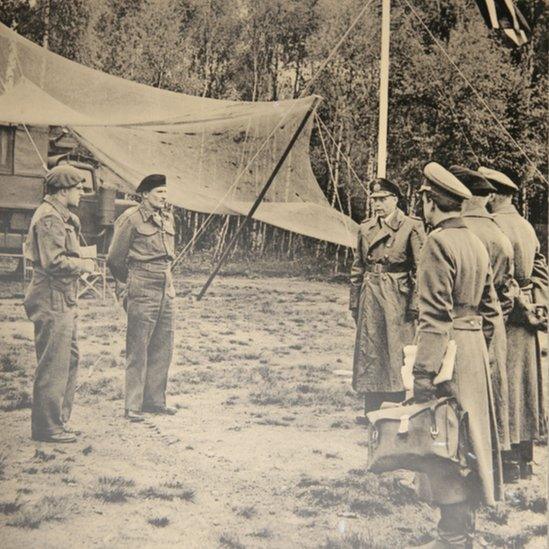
column 474, row 181
column 503, row 183
column 382, row 187
column 442, row 181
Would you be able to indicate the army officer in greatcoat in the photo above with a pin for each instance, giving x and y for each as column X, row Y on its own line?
column 383, row 295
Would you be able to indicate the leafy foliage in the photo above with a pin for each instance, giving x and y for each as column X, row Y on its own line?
column 270, row 49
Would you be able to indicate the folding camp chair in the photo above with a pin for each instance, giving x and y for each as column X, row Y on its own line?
column 95, row 283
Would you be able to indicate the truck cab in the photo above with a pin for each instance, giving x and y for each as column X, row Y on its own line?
column 23, row 153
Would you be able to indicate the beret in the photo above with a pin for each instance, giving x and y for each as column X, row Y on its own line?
column 501, row 182
column 474, row 181
column 383, row 187
column 63, row 176
column 440, row 179
column 151, row 182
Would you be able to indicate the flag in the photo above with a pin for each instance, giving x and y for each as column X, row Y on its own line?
column 502, row 14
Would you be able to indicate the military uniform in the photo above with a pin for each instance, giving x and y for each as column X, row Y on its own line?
column 382, row 289
column 140, row 255
column 500, row 252
column 457, row 300
column 527, row 419
column 523, row 358
column 52, row 246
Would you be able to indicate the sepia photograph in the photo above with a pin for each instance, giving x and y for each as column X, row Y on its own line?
column 273, row 274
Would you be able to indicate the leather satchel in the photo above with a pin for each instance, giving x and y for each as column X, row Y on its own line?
column 414, row 436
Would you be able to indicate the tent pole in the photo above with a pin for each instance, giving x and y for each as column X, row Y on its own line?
column 258, row 200
column 383, row 88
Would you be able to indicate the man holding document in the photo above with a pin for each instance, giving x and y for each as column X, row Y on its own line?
column 52, row 246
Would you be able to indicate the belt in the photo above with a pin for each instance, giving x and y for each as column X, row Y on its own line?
column 378, row 268
column 468, row 322
column 151, row 266
column 40, row 274
column 524, row 283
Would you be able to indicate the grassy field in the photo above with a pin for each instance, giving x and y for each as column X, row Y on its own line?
column 264, row 450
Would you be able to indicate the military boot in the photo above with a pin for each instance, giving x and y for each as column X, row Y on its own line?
column 456, row 526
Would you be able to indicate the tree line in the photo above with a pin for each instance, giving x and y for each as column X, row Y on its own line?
column 257, row 50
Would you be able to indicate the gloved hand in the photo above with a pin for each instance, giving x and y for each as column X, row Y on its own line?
column 424, row 389
column 411, row 314
column 354, row 314
column 446, row 389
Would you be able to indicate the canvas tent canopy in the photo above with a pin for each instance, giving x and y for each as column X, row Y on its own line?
column 216, row 154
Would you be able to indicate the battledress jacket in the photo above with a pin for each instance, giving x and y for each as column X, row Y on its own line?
column 457, row 300
column 53, row 247
column 141, row 237
column 383, row 291
column 526, row 414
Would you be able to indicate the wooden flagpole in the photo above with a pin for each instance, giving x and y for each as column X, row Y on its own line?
column 383, row 88
column 259, row 199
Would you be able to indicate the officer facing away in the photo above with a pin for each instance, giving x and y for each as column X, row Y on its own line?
column 457, row 300
column 140, row 256
column 52, row 246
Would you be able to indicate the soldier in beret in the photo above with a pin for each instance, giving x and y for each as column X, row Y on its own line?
column 140, row 256
column 382, row 298
column 457, row 300
column 529, row 315
column 52, row 246
column 499, row 248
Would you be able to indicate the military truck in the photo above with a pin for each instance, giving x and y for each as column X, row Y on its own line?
column 22, row 153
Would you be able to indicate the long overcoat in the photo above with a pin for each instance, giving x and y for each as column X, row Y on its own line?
column 383, row 291
column 500, row 251
column 526, row 412
column 457, row 300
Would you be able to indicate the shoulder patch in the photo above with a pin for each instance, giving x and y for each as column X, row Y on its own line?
column 51, row 221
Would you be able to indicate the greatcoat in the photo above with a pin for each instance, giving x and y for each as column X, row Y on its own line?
column 500, row 251
column 457, row 300
column 526, row 412
column 383, row 291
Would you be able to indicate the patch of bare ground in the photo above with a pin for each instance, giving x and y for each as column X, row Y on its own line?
column 263, row 452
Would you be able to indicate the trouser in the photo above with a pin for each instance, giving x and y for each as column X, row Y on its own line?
column 56, row 343
column 524, row 451
column 457, row 498
column 149, row 338
column 456, row 526
column 374, row 400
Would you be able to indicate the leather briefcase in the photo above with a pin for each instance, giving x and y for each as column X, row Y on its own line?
column 413, row 436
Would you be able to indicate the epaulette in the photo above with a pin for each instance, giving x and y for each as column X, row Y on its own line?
column 127, row 213
column 368, row 220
